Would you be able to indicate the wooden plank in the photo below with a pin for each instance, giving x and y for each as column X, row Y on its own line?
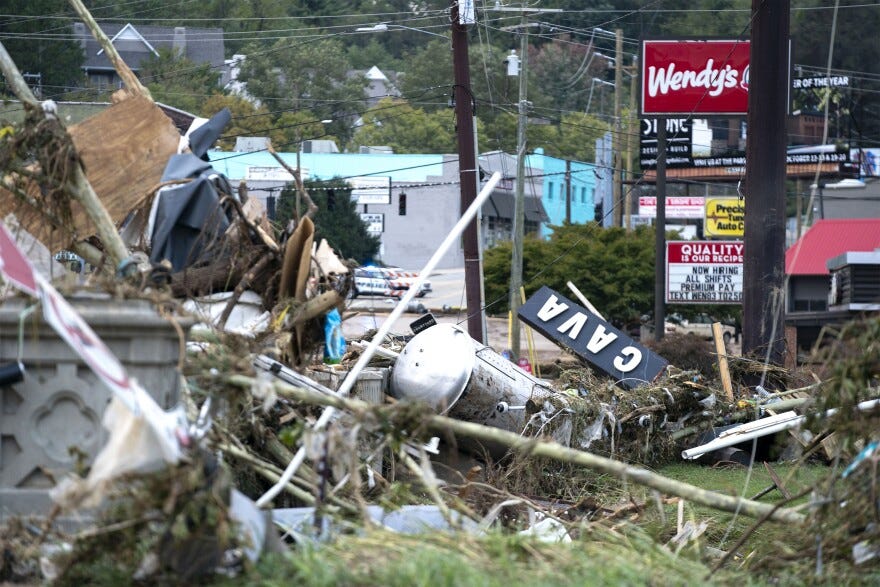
column 124, row 150
column 795, row 432
column 722, row 360
column 777, row 481
column 790, row 347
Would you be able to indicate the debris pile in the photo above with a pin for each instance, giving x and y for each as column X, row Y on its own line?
column 281, row 434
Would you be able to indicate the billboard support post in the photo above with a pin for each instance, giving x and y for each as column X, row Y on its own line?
column 660, row 235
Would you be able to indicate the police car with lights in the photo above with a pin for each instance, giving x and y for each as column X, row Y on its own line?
column 382, row 281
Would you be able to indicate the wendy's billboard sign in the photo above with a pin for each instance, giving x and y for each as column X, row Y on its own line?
column 694, row 77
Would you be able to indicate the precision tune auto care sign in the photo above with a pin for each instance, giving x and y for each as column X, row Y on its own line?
column 704, row 272
column 591, row 338
column 694, row 77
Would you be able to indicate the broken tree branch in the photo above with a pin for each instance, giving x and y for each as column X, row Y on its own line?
column 550, row 450
column 84, row 249
column 263, row 236
column 16, row 82
column 317, row 306
column 297, row 178
column 245, row 282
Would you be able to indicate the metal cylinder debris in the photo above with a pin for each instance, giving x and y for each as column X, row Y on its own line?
column 454, row 374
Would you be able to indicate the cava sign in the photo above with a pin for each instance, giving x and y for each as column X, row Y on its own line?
column 591, row 338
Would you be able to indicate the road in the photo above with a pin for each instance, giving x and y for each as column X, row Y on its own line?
column 447, row 303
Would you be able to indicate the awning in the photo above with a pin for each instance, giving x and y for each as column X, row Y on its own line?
column 502, row 205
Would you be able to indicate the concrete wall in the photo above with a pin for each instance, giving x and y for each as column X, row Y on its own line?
column 850, row 203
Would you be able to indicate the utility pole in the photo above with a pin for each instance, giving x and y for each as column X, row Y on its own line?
column 764, row 259
column 467, row 172
column 516, row 261
column 660, row 236
column 518, row 233
column 618, row 82
column 631, row 135
column 568, row 191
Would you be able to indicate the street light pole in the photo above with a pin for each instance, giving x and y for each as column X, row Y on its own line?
column 617, row 159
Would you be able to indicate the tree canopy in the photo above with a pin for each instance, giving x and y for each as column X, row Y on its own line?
column 173, row 79
column 301, row 55
column 336, row 220
column 408, row 130
column 613, row 268
column 28, row 38
column 311, row 74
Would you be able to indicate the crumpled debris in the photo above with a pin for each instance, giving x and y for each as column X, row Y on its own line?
column 596, row 430
column 132, row 446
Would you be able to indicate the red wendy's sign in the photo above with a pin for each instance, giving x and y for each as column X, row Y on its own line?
column 699, row 77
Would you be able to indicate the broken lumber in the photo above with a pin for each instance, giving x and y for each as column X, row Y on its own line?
column 722, row 361
column 80, row 188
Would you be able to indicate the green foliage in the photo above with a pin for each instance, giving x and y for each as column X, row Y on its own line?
column 372, row 53
column 290, row 128
column 563, row 71
column 177, row 81
column 613, row 268
column 336, row 220
column 59, row 62
column 574, row 138
column 428, row 74
column 247, row 119
column 307, row 73
column 306, row 68
column 408, row 130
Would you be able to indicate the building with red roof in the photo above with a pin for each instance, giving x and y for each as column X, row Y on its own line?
column 809, row 279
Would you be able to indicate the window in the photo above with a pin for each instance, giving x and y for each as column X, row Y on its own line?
column 549, row 190
column 583, row 195
column 401, row 204
column 562, row 192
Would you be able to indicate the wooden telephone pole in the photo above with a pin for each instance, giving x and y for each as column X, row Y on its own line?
column 764, row 259
column 467, row 173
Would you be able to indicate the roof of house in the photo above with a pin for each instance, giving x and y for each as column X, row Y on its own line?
column 134, row 44
column 827, row 239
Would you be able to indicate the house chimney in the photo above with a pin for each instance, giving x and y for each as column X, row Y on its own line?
column 179, row 45
column 80, row 34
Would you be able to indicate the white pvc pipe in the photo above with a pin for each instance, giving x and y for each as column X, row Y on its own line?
column 365, row 357
column 762, row 427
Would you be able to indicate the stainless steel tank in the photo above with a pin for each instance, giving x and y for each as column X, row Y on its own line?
column 464, row 379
